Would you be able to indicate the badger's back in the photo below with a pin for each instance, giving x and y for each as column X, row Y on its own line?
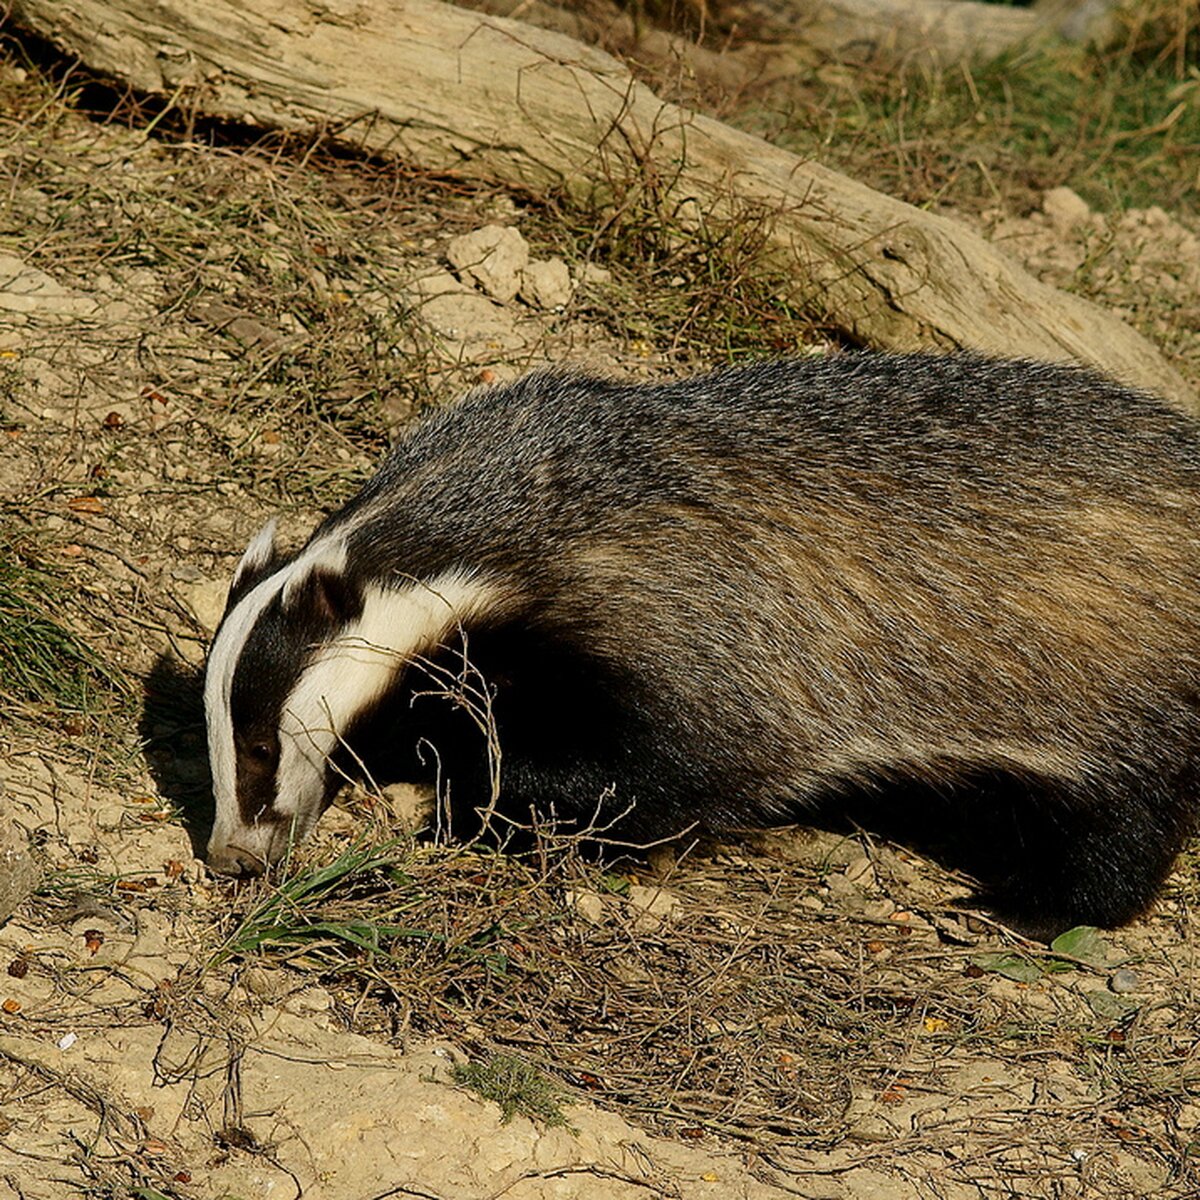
column 870, row 557
column 738, row 597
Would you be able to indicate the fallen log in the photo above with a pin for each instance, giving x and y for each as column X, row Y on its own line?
column 452, row 91
column 925, row 32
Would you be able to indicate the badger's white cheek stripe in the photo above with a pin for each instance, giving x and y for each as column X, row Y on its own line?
column 223, row 658
column 349, row 674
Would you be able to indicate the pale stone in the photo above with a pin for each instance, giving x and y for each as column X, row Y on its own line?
column 546, row 284
column 25, row 289
column 656, row 905
column 1065, row 208
column 595, row 276
column 205, row 600
column 588, row 905
column 495, row 257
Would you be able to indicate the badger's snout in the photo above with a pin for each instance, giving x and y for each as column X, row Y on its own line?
column 234, row 861
column 242, row 849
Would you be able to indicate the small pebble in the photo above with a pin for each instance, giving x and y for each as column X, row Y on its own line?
column 1065, row 209
column 1123, row 981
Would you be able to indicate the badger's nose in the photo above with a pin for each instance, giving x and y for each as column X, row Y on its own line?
column 230, row 860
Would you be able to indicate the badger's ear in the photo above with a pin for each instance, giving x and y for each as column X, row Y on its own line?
column 329, row 598
column 260, row 559
column 324, row 592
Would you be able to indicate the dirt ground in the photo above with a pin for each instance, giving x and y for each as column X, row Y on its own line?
column 194, row 337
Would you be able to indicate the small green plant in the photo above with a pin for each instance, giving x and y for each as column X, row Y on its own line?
column 318, row 913
column 517, row 1086
column 1082, row 944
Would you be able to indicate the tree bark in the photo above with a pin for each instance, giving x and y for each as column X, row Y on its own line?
column 452, row 91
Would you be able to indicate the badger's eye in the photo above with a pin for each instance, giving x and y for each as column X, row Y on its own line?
column 260, row 752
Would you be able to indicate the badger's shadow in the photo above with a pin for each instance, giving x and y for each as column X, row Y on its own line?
column 173, row 736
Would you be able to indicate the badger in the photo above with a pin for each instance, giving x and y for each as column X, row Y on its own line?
column 955, row 597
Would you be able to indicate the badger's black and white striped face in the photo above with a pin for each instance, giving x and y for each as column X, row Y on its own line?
column 304, row 649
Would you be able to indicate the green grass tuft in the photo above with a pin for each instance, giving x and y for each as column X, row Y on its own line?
column 1121, row 130
column 517, row 1086
column 317, row 914
column 43, row 664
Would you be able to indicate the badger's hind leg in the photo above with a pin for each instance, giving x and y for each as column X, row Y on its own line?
column 1050, row 855
column 1046, row 855
column 1093, row 859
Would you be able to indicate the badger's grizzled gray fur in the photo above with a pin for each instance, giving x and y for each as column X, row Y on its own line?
column 961, row 597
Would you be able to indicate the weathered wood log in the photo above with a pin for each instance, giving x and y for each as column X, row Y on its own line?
column 452, row 91
column 928, row 32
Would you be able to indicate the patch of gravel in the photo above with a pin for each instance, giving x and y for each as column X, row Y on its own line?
column 1142, row 264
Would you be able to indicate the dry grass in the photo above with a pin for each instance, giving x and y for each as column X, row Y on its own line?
column 1121, row 132
column 732, row 994
column 716, row 1017
column 1120, row 123
column 46, row 670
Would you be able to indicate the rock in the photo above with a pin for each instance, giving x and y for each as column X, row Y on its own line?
column 861, row 870
column 495, row 257
column 546, row 284
column 656, row 906
column 594, row 275
column 587, row 904
column 245, row 328
column 1065, row 208
column 19, row 872
column 429, row 284
column 469, row 326
column 205, row 600
column 266, row 983
column 1124, row 981
column 28, row 291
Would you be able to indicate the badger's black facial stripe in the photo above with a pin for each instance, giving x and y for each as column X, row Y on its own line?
column 253, row 664
column 275, row 655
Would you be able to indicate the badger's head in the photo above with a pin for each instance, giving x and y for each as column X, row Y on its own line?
column 306, row 647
